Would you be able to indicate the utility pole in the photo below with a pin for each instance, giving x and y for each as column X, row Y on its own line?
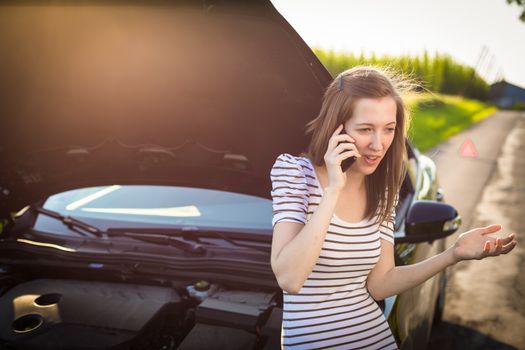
column 481, row 57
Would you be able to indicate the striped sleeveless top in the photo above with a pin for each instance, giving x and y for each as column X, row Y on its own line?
column 333, row 309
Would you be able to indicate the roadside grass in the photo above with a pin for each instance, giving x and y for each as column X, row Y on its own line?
column 436, row 117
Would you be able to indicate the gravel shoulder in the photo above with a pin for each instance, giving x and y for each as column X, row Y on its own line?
column 485, row 300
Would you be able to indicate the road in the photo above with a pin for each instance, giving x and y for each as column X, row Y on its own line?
column 485, row 299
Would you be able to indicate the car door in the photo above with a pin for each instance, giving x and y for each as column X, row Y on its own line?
column 413, row 310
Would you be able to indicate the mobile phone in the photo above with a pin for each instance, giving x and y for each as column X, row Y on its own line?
column 346, row 163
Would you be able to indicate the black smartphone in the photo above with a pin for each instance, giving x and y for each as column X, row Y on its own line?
column 346, row 163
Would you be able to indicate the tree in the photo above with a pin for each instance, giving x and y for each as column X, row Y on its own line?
column 520, row 3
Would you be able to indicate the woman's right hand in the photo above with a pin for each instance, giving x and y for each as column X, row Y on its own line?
column 334, row 156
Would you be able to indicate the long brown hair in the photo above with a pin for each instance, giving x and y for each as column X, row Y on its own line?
column 382, row 186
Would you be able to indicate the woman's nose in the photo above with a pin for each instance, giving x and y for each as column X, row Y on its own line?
column 376, row 144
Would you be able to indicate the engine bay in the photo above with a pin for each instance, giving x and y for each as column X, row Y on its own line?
column 78, row 314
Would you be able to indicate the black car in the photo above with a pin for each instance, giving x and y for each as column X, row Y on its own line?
column 137, row 141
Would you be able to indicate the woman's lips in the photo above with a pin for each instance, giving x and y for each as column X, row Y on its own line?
column 371, row 162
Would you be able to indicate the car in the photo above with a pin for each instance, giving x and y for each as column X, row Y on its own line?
column 138, row 138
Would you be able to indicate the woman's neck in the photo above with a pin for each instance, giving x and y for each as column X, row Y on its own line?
column 355, row 180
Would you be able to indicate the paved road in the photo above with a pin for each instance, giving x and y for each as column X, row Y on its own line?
column 485, row 301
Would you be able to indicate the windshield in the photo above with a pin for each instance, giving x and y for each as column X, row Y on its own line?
column 157, row 206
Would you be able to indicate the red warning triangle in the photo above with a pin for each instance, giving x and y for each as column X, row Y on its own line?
column 467, row 149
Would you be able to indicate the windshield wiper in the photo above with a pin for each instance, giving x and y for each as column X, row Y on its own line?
column 161, row 239
column 80, row 226
column 71, row 223
column 156, row 235
column 188, row 232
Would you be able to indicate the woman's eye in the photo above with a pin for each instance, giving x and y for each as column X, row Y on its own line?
column 369, row 129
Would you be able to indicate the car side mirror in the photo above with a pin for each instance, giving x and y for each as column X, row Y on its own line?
column 427, row 221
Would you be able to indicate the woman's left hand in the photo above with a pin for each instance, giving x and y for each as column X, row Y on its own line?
column 476, row 244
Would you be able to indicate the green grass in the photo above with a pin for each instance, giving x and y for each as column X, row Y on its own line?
column 435, row 117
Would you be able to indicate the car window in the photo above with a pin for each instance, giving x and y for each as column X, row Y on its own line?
column 157, row 206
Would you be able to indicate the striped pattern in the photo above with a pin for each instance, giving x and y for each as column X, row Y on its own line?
column 333, row 309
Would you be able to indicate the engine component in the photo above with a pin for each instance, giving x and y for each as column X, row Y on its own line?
column 223, row 338
column 238, row 309
column 68, row 314
column 201, row 289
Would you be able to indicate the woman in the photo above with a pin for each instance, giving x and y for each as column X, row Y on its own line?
column 333, row 244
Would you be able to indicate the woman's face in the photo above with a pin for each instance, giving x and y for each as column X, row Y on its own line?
column 372, row 126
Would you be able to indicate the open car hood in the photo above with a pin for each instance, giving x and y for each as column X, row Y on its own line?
column 202, row 93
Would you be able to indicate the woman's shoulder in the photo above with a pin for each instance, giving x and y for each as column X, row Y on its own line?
column 287, row 165
column 300, row 162
column 287, row 157
column 296, row 169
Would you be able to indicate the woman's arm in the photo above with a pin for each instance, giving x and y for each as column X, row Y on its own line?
column 386, row 280
column 296, row 246
column 294, row 253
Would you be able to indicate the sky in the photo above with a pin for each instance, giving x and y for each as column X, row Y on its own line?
column 479, row 33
